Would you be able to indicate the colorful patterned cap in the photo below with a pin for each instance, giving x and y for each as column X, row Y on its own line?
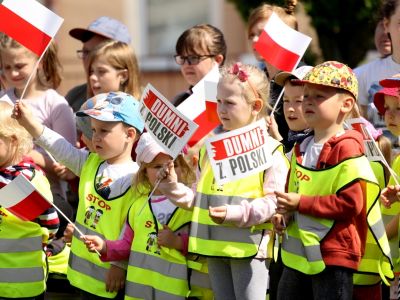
column 334, row 74
column 114, row 107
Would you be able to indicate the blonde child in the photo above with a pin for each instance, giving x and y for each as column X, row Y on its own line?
column 47, row 105
column 235, row 247
column 198, row 49
column 157, row 263
column 331, row 187
column 23, row 263
column 104, row 189
column 113, row 67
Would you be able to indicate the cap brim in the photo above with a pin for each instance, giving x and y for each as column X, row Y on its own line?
column 84, row 35
column 81, row 34
column 281, row 78
column 393, row 82
column 379, row 97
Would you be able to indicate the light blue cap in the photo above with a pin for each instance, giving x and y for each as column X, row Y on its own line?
column 111, row 107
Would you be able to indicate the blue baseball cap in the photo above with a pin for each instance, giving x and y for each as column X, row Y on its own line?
column 104, row 26
column 112, row 107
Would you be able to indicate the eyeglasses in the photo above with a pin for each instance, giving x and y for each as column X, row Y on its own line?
column 82, row 53
column 191, row 59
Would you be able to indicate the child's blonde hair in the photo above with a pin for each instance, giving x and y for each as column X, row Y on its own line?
column 49, row 75
column 141, row 182
column 10, row 129
column 121, row 57
column 265, row 10
column 253, row 81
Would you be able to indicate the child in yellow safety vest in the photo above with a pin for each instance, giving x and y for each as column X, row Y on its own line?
column 105, row 175
column 22, row 257
column 331, row 189
column 156, row 233
column 387, row 103
column 228, row 220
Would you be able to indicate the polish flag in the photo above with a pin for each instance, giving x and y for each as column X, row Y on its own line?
column 29, row 22
column 201, row 106
column 22, row 199
column 281, row 45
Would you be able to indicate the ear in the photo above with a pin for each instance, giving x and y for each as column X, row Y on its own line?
column 347, row 104
column 131, row 133
column 124, row 76
column 219, row 58
column 257, row 105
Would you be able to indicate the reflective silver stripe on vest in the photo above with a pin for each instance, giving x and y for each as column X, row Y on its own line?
column 137, row 290
column 200, row 279
column 206, row 201
column 295, row 246
column 225, row 233
column 21, row 275
column 308, row 224
column 21, row 245
column 153, row 263
column 85, row 267
column 378, row 230
column 86, row 231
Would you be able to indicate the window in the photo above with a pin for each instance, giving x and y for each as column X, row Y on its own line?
column 159, row 23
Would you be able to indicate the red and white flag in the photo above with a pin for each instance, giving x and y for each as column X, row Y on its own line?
column 281, row 45
column 201, row 106
column 21, row 198
column 29, row 22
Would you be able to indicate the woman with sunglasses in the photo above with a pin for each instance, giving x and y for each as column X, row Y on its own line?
column 198, row 49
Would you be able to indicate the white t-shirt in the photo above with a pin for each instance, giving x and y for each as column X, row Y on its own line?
column 368, row 77
column 162, row 208
column 311, row 155
column 115, row 179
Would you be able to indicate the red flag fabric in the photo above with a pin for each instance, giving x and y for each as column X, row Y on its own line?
column 280, row 45
column 201, row 106
column 29, row 22
column 22, row 199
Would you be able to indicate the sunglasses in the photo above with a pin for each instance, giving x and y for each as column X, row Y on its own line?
column 191, row 59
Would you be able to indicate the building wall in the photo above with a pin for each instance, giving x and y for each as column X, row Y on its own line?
column 167, row 80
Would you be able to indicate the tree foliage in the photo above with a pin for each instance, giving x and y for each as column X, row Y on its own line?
column 345, row 28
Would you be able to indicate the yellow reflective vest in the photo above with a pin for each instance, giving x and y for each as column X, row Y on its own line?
column 389, row 213
column 301, row 251
column 225, row 240
column 58, row 264
column 200, row 284
column 22, row 258
column 371, row 270
column 95, row 216
column 154, row 272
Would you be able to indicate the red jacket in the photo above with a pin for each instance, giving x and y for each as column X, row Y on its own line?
column 344, row 244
